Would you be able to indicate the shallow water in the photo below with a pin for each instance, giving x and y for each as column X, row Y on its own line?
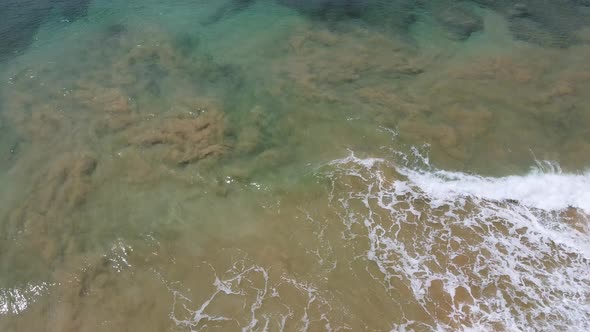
column 289, row 166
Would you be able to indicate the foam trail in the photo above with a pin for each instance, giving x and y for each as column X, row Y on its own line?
column 545, row 191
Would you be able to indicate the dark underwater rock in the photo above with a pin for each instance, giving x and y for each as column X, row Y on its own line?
column 398, row 14
column 72, row 10
column 459, row 20
column 392, row 15
column 545, row 22
column 114, row 32
column 528, row 30
column 327, row 8
column 519, row 10
column 187, row 43
column 20, row 20
column 227, row 10
column 313, row 8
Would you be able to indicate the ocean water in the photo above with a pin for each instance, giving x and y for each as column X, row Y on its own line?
column 283, row 165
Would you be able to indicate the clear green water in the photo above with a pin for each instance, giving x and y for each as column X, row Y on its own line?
column 203, row 166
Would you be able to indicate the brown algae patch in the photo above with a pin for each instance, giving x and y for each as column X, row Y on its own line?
column 183, row 139
column 42, row 220
column 322, row 63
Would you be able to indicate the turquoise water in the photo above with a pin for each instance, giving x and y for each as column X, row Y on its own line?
column 294, row 166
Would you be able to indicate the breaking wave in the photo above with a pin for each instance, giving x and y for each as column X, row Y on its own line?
column 542, row 190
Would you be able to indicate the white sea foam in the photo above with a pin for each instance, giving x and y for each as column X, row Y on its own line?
column 546, row 187
column 18, row 299
column 518, row 245
column 252, row 285
column 546, row 191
